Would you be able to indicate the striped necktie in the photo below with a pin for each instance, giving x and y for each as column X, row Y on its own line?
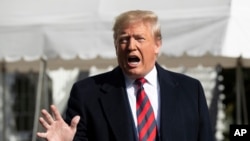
column 146, row 123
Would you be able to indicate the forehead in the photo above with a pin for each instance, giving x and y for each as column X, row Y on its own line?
column 136, row 28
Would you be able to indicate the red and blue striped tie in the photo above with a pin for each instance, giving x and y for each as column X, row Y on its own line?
column 146, row 122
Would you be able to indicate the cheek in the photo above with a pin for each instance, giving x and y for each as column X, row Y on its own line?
column 119, row 53
column 151, row 50
column 150, row 53
column 120, row 50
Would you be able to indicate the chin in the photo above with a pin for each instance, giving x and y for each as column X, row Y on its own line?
column 134, row 73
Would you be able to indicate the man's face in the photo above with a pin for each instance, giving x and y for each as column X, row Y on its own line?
column 137, row 49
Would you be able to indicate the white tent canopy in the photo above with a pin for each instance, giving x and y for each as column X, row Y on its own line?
column 237, row 38
column 31, row 30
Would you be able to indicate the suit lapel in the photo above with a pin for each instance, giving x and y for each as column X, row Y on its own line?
column 168, row 96
column 116, row 108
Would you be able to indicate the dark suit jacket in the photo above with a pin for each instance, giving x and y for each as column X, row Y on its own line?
column 102, row 103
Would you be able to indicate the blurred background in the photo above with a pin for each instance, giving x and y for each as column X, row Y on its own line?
column 47, row 45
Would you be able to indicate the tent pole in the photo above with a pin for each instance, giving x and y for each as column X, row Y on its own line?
column 244, row 103
column 4, row 128
column 238, row 91
column 243, row 95
column 241, row 105
column 40, row 86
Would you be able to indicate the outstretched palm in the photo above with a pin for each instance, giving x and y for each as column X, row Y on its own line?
column 56, row 128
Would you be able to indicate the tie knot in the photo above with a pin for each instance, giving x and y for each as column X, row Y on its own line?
column 140, row 81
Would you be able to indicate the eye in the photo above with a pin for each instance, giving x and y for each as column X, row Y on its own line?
column 140, row 39
column 123, row 40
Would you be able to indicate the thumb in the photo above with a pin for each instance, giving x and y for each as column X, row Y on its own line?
column 74, row 122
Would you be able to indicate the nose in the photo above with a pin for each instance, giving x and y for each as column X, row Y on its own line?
column 132, row 45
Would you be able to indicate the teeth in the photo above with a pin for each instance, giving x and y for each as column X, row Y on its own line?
column 134, row 63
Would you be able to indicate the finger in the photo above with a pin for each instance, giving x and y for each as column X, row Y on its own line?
column 41, row 134
column 44, row 123
column 56, row 112
column 74, row 122
column 48, row 116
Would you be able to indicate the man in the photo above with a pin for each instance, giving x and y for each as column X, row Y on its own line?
column 107, row 107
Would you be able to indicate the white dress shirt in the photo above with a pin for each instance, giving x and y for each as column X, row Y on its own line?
column 152, row 90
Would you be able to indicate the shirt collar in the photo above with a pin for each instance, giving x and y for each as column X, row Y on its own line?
column 151, row 78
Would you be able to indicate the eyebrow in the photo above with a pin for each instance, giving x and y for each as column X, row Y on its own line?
column 127, row 35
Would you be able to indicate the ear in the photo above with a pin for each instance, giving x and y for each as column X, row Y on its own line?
column 158, row 44
column 115, row 45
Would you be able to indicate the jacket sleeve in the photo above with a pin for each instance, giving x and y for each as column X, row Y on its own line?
column 75, row 107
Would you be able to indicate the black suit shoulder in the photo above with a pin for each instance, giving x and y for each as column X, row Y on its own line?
column 95, row 84
column 188, row 85
column 102, row 78
column 176, row 77
column 182, row 77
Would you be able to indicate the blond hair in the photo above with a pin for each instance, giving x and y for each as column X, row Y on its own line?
column 133, row 16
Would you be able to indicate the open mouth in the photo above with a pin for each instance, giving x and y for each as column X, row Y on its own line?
column 133, row 59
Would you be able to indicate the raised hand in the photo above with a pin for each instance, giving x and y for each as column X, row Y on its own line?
column 56, row 128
